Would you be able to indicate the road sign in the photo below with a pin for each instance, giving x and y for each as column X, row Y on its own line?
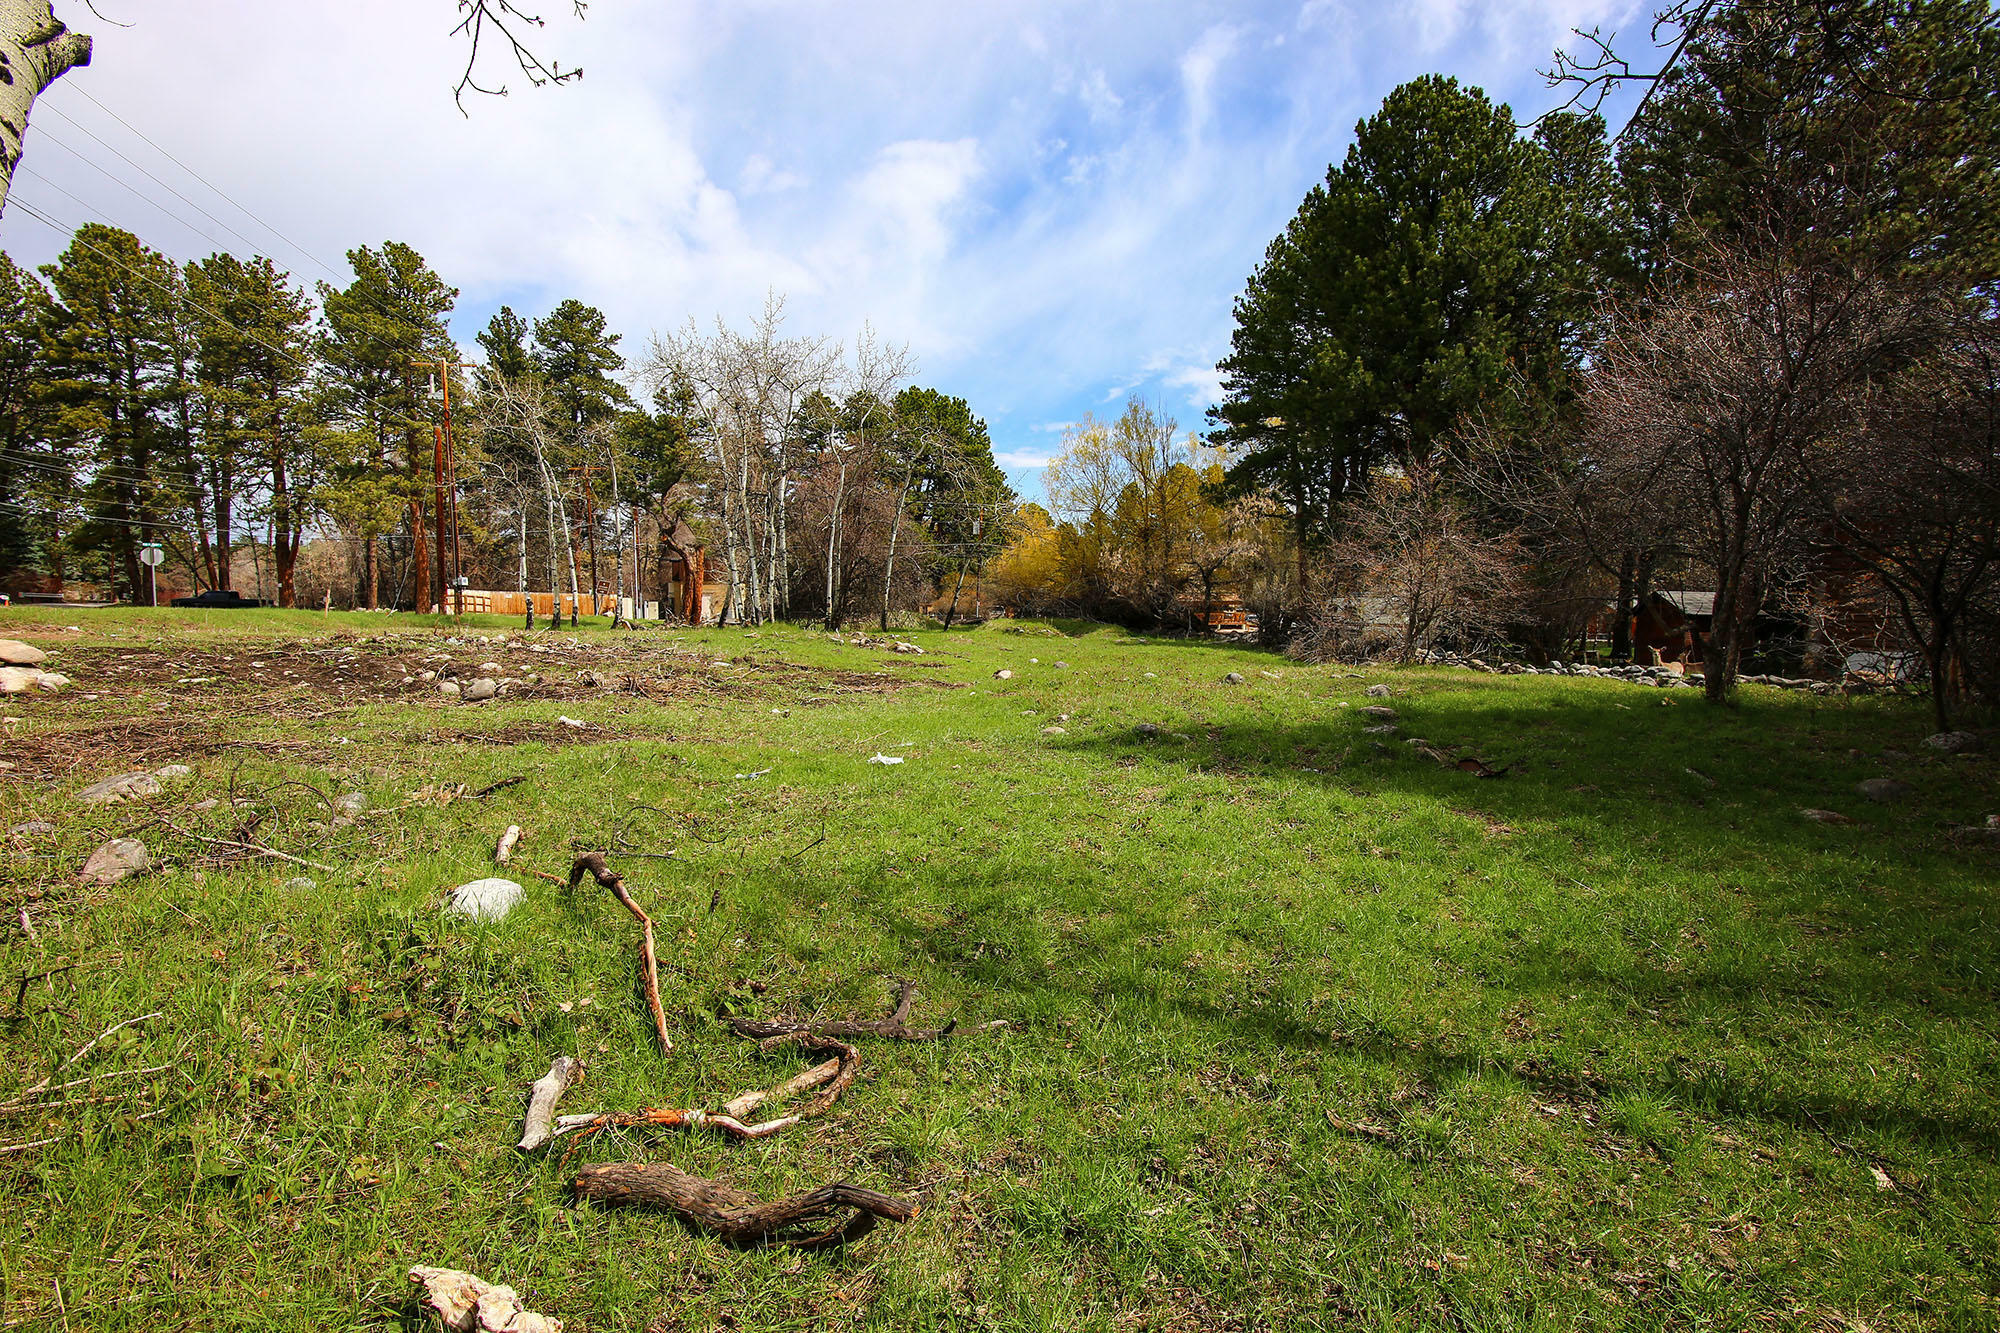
column 151, row 555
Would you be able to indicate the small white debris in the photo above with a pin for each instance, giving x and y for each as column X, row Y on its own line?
column 886, row 759
column 571, row 721
column 752, row 777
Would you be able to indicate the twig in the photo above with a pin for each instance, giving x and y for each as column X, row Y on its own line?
column 256, row 848
column 505, row 850
column 492, row 787
column 605, row 876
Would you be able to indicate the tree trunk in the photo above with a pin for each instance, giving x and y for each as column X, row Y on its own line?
column 1621, row 623
column 284, row 540
column 371, row 574
column 833, row 545
column 527, row 598
column 895, row 531
column 956, row 588
column 35, row 51
column 420, row 558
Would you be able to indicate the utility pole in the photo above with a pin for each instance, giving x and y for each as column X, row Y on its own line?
column 444, row 480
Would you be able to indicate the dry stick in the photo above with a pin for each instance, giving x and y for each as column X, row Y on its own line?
column 542, row 1099
column 594, row 863
column 832, row 1077
column 260, row 850
column 733, row 1214
column 508, row 839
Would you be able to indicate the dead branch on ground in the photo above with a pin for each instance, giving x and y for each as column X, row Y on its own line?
column 542, row 1099
column 249, row 848
column 895, row 1027
column 737, row 1216
column 99, row 1089
column 831, row 1077
column 605, row 876
column 505, row 850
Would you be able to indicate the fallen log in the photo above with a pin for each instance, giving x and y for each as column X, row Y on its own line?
column 542, row 1099
column 734, row 1215
column 605, row 876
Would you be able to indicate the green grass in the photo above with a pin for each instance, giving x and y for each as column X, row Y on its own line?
column 1310, row 1032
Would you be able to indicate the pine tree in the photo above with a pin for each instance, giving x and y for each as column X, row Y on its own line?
column 111, row 364
column 254, row 371
column 391, row 315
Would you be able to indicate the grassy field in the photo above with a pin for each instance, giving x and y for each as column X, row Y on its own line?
column 1309, row 1032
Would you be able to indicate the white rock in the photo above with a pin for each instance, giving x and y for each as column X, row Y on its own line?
column 886, row 759
column 300, row 884
column 172, row 771
column 483, row 688
column 1055, row 731
column 351, row 803
column 18, row 680
column 34, row 828
column 486, row 899
column 15, row 653
column 121, row 858
column 489, row 666
column 51, row 681
column 1378, row 691
column 448, row 687
column 124, row 787
column 1234, row 678
column 1003, row 674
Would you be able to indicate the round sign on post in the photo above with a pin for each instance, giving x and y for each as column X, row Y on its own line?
column 151, row 555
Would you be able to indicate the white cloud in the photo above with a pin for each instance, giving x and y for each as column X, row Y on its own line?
column 1198, row 69
column 1097, row 97
column 1021, row 460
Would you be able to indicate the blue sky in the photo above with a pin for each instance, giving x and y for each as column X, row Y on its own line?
column 1053, row 205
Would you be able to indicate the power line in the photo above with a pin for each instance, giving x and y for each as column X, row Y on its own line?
column 115, row 181
column 216, row 189
column 151, row 177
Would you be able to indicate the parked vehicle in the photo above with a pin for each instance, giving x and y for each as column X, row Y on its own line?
column 218, row 597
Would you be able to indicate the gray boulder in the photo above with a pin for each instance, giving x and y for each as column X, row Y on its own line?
column 1147, row 729
column 1953, row 742
column 121, row 858
column 34, row 828
column 124, row 787
column 1378, row 691
column 1381, row 712
column 1234, row 678
column 483, row 688
column 1883, row 790
column 486, row 899
column 449, row 687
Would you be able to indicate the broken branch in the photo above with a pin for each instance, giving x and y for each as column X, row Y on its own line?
column 542, row 1099
column 605, row 876
column 505, row 849
column 734, row 1215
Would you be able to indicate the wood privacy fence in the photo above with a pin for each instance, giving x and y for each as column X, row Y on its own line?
column 546, row 604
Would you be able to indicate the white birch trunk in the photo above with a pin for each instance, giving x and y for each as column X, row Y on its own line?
column 35, row 51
